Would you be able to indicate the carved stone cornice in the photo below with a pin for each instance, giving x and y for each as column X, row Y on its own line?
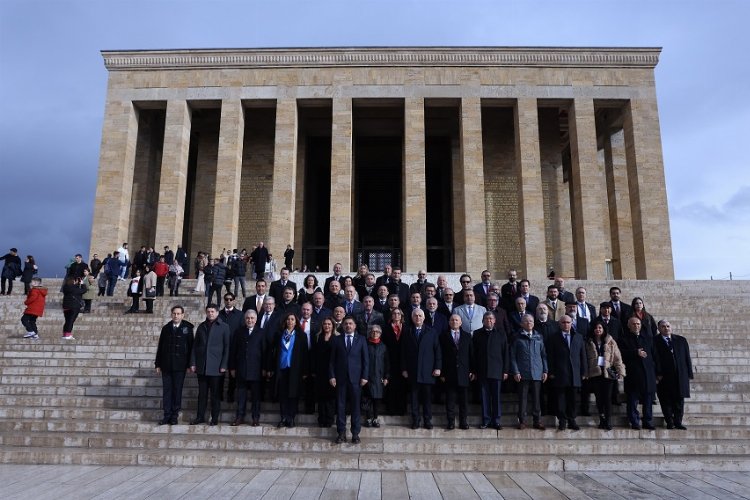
column 565, row 57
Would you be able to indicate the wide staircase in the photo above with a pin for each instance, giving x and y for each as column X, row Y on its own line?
column 96, row 400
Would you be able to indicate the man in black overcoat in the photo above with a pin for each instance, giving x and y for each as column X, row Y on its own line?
column 567, row 364
column 173, row 361
column 421, row 362
column 246, row 365
column 457, row 372
column 492, row 363
column 674, row 370
column 209, row 359
column 638, row 354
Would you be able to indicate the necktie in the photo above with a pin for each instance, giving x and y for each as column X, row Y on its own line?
column 304, row 323
column 348, row 342
column 367, row 317
column 668, row 340
column 582, row 310
column 617, row 308
column 471, row 313
column 567, row 339
column 486, row 289
column 265, row 319
column 418, row 331
column 513, row 288
column 348, row 307
column 258, row 302
column 287, row 337
column 456, row 337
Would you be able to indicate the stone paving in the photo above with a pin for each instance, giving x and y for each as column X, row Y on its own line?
column 82, row 482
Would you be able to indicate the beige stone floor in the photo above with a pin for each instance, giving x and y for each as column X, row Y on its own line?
column 80, row 482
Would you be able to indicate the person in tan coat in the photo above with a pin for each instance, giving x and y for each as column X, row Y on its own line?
column 605, row 368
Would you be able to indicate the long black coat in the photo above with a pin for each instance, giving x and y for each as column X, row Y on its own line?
column 380, row 368
column 420, row 357
column 641, row 372
column 247, row 353
column 567, row 365
column 173, row 352
column 458, row 361
column 491, row 354
column 300, row 363
column 210, row 351
column 676, row 370
column 321, row 358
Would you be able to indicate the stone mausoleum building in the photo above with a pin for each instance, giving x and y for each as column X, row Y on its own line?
column 444, row 158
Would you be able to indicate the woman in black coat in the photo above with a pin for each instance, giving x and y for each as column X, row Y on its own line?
column 288, row 359
column 379, row 365
column 325, row 395
column 29, row 270
column 395, row 395
column 72, row 303
column 309, row 287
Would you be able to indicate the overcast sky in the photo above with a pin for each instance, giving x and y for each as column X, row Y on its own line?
column 53, row 84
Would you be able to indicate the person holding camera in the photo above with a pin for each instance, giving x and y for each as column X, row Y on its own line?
column 72, row 303
column 605, row 368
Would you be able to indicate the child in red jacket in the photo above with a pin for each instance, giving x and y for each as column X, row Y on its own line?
column 34, row 308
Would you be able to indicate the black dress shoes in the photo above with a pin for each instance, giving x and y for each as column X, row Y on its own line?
column 355, row 439
column 197, row 421
column 281, row 424
column 483, row 425
column 213, row 423
column 635, row 427
column 649, row 427
column 428, row 425
column 255, row 423
column 415, row 424
column 680, row 426
column 290, row 423
column 237, row 421
column 573, row 426
column 164, row 421
column 173, row 421
column 464, row 426
column 341, row 438
column 450, row 426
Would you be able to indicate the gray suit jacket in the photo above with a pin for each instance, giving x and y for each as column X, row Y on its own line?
column 470, row 324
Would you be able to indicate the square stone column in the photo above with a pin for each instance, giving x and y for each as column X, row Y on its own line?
column 587, row 193
column 414, row 192
column 340, row 240
column 174, row 170
column 470, row 225
column 115, row 182
column 620, row 221
column 648, row 194
column 226, row 218
column 531, row 199
column 281, row 224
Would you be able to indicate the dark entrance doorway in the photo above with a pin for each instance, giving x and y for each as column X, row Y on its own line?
column 378, row 200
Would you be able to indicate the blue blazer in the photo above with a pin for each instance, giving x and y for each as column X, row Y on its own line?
column 351, row 366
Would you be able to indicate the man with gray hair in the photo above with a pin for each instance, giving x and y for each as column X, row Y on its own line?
column 528, row 365
column 246, row 361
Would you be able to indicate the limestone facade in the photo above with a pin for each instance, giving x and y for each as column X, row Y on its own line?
column 554, row 155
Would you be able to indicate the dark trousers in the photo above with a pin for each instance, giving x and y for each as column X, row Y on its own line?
column 287, row 404
column 395, row 396
column 136, row 303
column 370, row 404
column 646, row 399
column 172, row 382
column 326, row 410
column 586, row 389
column 111, row 282
column 524, row 387
column 253, row 386
column 87, row 305
column 672, row 405
column 309, row 389
column 26, row 288
column 160, row 286
column 351, row 391
column 102, row 291
column 206, row 384
column 215, row 289
column 149, row 305
column 453, row 393
column 421, row 394
column 239, row 281
column 70, row 318
column 10, row 285
column 566, row 404
column 603, row 392
column 490, row 390
column 29, row 322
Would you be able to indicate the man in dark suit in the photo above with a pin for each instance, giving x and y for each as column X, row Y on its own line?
column 348, row 372
column 585, row 309
column 277, row 287
column 268, row 319
column 396, row 286
column 482, row 289
column 447, row 305
column 418, row 286
column 509, row 292
column 531, row 300
column 352, row 306
column 259, row 257
column 580, row 327
column 612, row 325
column 246, row 362
column 337, row 276
column 368, row 316
column 458, row 362
column 173, row 361
column 565, row 295
column 421, row 361
column 320, row 311
column 620, row 310
column 567, row 369
column 433, row 318
column 674, row 370
column 465, row 281
column 333, row 295
column 368, row 287
column 233, row 317
column 492, row 366
column 638, row 354
column 209, row 359
column 501, row 317
column 381, row 299
column 255, row 302
column 516, row 317
column 287, row 302
column 385, row 279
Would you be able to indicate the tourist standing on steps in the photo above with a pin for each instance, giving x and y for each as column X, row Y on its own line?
column 124, row 258
column 288, row 257
column 72, row 302
column 259, row 257
column 34, row 302
column 149, row 288
column 90, row 282
column 173, row 361
column 134, row 291
column 112, row 269
column 29, row 270
column 209, row 359
column 11, row 269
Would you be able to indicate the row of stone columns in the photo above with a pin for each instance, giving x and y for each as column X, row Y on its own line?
column 632, row 222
